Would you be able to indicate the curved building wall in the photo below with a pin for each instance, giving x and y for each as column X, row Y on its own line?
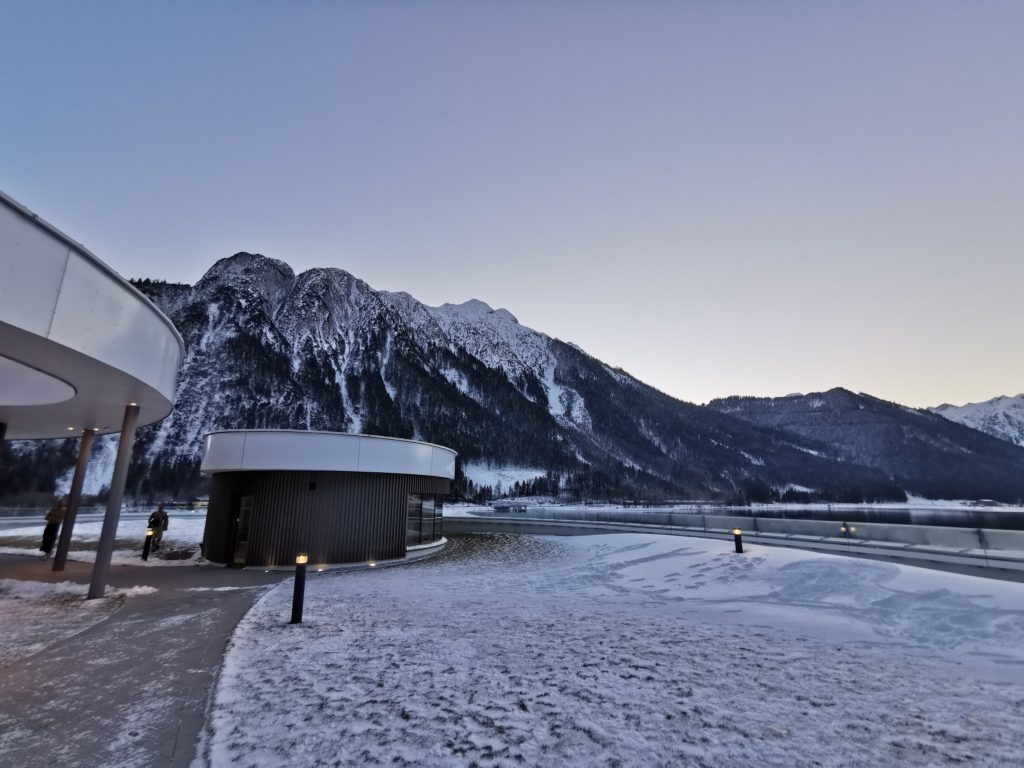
column 265, row 518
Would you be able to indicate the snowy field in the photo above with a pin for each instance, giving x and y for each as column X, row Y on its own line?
column 180, row 544
column 627, row 649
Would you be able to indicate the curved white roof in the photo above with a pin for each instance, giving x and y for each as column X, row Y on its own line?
column 255, row 450
column 77, row 341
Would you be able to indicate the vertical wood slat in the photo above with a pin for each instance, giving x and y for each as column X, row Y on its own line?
column 349, row 517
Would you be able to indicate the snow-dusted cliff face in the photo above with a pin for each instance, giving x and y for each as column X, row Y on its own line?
column 526, row 357
column 1001, row 417
column 324, row 350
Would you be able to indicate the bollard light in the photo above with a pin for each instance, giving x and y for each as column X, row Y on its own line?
column 373, row 563
column 147, row 544
column 300, row 587
column 737, row 537
column 843, row 530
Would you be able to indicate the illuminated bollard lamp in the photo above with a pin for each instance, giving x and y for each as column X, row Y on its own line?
column 148, row 543
column 300, row 587
column 737, row 537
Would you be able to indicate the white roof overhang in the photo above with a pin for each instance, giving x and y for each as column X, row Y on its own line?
column 78, row 342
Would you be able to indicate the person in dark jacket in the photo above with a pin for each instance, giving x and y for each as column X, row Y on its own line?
column 54, row 518
column 158, row 522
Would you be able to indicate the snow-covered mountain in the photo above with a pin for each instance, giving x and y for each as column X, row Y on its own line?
column 1001, row 417
column 924, row 453
column 323, row 350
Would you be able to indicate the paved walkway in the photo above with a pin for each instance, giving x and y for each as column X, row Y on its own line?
column 133, row 689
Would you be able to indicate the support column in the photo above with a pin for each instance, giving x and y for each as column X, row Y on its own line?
column 74, row 498
column 113, row 515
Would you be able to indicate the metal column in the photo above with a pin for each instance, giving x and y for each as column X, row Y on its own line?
column 74, row 498
column 113, row 515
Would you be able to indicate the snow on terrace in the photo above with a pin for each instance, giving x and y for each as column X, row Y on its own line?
column 180, row 545
column 627, row 649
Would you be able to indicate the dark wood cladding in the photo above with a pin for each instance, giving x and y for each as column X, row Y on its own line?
column 336, row 517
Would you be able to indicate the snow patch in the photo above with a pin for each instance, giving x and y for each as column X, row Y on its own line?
column 99, row 470
column 457, row 378
column 486, row 474
column 757, row 462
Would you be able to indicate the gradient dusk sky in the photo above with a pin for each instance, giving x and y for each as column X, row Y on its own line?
column 720, row 197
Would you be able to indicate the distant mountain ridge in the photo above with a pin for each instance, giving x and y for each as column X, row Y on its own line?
column 1001, row 417
column 920, row 451
column 267, row 348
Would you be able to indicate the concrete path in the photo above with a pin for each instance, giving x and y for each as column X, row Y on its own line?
column 133, row 689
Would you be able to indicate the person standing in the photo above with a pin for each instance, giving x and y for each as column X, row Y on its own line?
column 158, row 522
column 54, row 519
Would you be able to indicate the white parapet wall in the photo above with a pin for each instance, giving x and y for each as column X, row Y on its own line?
column 268, row 450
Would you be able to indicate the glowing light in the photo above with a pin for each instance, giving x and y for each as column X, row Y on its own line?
column 736, row 531
column 301, row 559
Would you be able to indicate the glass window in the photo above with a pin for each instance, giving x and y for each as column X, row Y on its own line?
column 428, row 518
column 414, row 519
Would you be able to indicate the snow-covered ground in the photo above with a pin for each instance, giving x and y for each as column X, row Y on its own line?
column 180, row 545
column 627, row 649
column 38, row 614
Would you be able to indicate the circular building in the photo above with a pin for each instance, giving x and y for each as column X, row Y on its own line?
column 340, row 498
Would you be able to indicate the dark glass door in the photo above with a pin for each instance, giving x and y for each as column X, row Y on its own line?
column 242, row 523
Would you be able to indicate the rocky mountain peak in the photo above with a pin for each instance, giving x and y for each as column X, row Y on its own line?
column 1001, row 417
column 326, row 304
column 474, row 309
column 470, row 308
column 254, row 276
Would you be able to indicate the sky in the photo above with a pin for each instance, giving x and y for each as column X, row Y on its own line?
column 720, row 197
